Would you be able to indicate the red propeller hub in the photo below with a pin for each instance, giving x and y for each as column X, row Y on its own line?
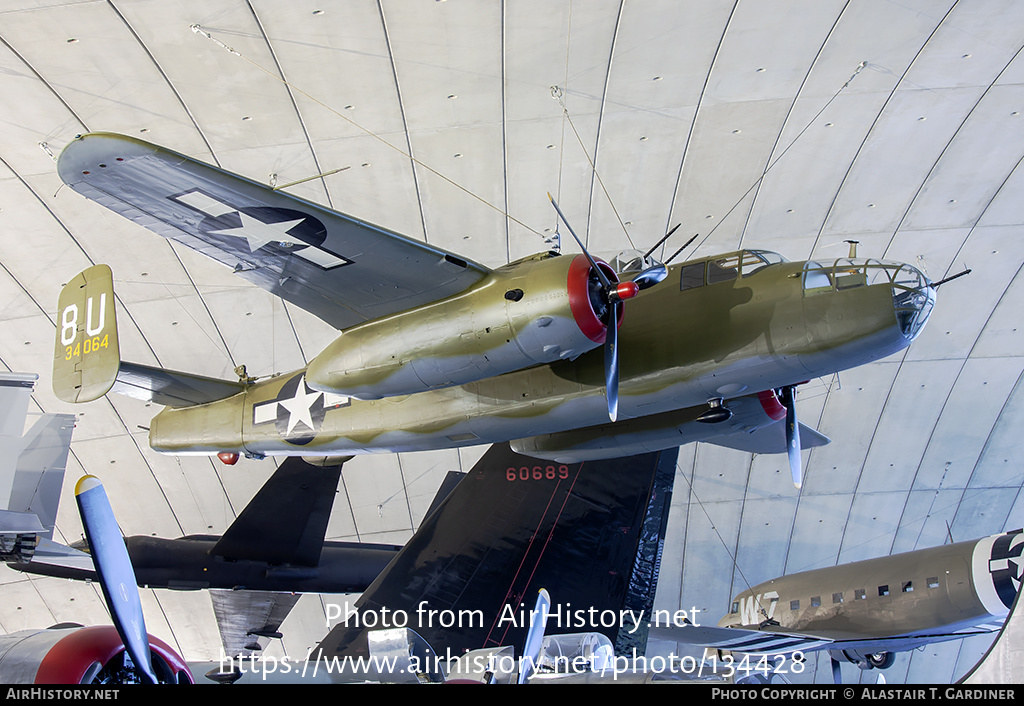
column 626, row 290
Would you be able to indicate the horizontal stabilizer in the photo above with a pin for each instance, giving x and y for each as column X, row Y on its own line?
column 770, row 439
column 170, row 388
column 20, row 523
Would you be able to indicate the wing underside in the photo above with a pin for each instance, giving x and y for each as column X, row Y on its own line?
column 777, row 641
column 338, row 268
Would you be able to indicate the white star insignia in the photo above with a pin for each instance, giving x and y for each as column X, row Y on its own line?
column 259, row 233
column 299, row 406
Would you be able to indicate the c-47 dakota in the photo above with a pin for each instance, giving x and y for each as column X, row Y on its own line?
column 435, row 351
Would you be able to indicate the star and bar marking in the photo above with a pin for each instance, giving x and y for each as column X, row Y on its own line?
column 258, row 233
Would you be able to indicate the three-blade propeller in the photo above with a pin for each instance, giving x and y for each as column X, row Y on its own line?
column 116, row 575
column 614, row 294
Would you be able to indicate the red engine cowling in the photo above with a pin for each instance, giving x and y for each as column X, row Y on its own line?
column 81, row 655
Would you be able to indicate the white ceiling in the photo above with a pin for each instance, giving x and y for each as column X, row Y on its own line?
column 790, row 125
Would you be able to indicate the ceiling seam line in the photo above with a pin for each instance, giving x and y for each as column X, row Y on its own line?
column 977, row 222
column 874, row 124
column 167, row 80
column 696, row 113
column 504, row 133
column 789, row 114
column 686, row 516
column 1002, row 409
column 213, row 156
column 600, row 121
column 949, row 143
column 145, row 460
column 988, row 440
column 68, row 232
column 405, row 492
column 206, row 307
column 956, row 379
column 220, row 481
column 351, row 510
column 405, row 122
column 863, row 465
column 45, row 83
column 295, row 105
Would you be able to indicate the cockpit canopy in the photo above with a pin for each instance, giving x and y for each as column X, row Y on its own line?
column 912, row 293
column 722, row 268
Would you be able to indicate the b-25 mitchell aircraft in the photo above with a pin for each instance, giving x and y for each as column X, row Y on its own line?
column 436, row 351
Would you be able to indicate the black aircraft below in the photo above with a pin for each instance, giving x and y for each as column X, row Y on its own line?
column 590, row 533
column 273, row 551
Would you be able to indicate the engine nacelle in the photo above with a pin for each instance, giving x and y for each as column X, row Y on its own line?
column 79, row 655
column 537, row 310
column 654, row 432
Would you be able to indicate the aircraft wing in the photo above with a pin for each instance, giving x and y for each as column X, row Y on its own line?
column 739, row 639
column 245, row 616
column 338, row 268
column 776, row 641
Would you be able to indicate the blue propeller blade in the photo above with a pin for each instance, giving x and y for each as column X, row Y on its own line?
column 535, row 636
column 114, row 568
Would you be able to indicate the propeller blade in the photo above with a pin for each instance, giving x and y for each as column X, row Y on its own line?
column 651, row 276
column 605, row 282
column 792, row 434
column 535, row 636
column 114, row 568
column 611, row 361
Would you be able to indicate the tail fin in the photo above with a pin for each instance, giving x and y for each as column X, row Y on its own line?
column 86, row 357
column 590, row 531
column 31, row 468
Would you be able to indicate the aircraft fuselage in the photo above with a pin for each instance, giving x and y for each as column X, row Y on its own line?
column 719, row 327
column 890, row 603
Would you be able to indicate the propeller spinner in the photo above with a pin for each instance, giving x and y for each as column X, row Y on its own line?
column 614, row 294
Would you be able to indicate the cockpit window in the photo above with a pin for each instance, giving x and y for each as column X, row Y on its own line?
column 728, row 267
column 723, row 270
column 692, row 276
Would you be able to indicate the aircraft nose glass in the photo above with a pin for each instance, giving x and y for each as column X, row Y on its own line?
column 913, row 297
column 913, row 294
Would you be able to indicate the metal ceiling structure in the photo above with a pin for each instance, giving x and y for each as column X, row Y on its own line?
column 790, row 125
